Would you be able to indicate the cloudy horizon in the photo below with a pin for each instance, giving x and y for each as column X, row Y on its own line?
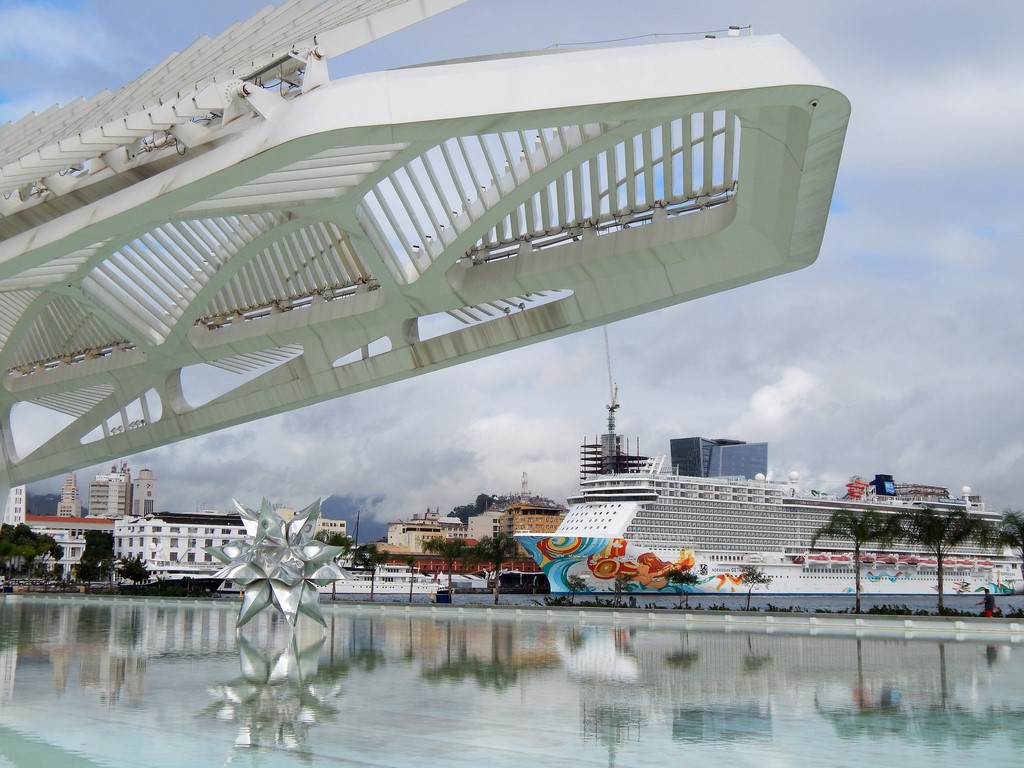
column 895, row 352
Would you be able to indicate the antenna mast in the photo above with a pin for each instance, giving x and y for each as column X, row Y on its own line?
column 609, row 441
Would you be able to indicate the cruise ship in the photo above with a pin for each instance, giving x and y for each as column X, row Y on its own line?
column 637, row 519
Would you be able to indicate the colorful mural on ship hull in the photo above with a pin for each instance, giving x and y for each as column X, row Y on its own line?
column 602, row 560
column 605, row 560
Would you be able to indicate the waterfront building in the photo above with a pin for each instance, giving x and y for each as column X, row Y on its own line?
column 14, row 512
column 323, row 524
column 110, row 494
column 172, row 545
column 330, row 526
column 523, row 512
column 488, row 523
column 69, row 532
column 410, row 535
column 703, row 457
column 69, row 505
column 144, row 493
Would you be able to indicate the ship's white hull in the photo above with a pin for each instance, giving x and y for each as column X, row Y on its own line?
column 600, row 562
column 390, row 580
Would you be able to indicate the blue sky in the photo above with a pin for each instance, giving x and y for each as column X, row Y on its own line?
column 898, row 352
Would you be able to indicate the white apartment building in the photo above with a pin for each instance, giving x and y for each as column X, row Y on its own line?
column 69, row 532
column 69, row 505
column 14, row 512
column 171, row 544
column 110, row 495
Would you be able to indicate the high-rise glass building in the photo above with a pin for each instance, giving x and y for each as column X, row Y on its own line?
column 703, row 457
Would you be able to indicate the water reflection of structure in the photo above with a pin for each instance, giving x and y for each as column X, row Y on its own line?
column 922, row 705
column 281, row 692
column 617, row 693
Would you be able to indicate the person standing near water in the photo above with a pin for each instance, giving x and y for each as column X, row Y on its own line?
column 989, row 603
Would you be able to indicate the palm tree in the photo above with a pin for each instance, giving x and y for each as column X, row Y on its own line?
column 939, row 532
column 575, row 583
column 859, row 528
column 622, row 582
column 410, row 562
column 1011, row 531
column 497, row 550
column 449, row 549
column 682, row 578
column 370, row 556
column 335, row 539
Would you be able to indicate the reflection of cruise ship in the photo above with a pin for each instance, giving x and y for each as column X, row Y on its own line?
column 634, row 519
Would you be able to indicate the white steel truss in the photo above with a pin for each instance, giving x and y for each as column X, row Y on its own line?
column 314, row 238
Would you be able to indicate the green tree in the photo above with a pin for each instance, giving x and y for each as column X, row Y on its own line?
column 8, row 551
column 753, row 576
column 858, row 528
column 97, row 561
column 682, row 578
column 133, row 569
column 410, row 562
column 21, row 546
column 335, row 539
column 449, row 549
column 1010, row 531
column 938, row 532
column 575, row 584
column 371, row 557
column 622, row 582
column 497, row 550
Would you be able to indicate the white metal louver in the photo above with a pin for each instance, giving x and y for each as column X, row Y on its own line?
column 307, row 235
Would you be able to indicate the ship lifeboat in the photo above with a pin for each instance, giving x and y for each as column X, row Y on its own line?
column 969, row 563
column 949, row 562
column 819, row 558
column 867, row 559
column 909, row 560
column 986, row 563
column 842, row 559
column 799, row 559
column 928, row 561
column 888, row 560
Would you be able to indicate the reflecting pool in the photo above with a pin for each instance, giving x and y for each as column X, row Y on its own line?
column 117, row 682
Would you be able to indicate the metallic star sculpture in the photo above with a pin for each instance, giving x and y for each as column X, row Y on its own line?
column 279, row 565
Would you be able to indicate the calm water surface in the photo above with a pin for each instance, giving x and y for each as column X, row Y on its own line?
column 89, row 682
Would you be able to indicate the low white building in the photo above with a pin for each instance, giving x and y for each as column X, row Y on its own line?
column 171, row 544
column 69, row 532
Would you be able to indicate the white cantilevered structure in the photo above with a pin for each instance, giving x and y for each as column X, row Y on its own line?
column 236, row 210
